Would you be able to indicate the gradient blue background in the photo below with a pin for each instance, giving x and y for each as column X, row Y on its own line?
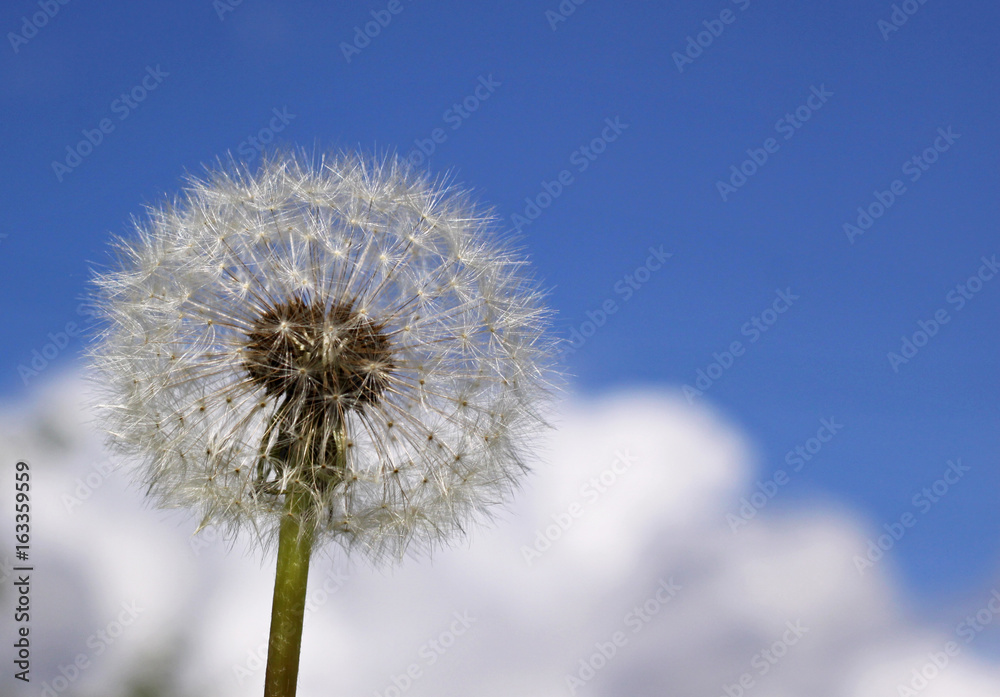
column 655, row 185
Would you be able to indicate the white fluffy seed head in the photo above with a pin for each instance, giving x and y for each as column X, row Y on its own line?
column 341, row 326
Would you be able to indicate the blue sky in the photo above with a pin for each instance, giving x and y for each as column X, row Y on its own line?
column 621, row 139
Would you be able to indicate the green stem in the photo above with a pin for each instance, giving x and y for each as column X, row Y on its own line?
column 289, row 605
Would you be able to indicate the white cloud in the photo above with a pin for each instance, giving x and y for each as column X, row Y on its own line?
column 631, row 498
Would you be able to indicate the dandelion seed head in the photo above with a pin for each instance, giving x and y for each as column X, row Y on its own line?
column 342, row 325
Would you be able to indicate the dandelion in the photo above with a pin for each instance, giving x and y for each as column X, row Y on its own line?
column 322, row 350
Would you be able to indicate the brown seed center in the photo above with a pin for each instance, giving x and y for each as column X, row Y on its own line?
column 329, row 357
